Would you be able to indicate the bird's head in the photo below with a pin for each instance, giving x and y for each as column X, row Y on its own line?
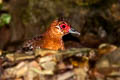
column 62, row 27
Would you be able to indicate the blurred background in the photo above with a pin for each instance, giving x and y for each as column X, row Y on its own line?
column 98, row 21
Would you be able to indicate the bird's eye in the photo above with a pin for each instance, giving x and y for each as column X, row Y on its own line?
column 63, row 26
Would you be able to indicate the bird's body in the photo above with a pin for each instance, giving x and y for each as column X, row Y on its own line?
column 44, row 42
column 52, row 38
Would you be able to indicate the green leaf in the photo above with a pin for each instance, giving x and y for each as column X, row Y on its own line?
column 5, row 18
column 1, row 5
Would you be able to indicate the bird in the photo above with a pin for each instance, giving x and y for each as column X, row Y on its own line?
column 52, row 37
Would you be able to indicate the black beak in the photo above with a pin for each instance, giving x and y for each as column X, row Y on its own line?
column 73, row 31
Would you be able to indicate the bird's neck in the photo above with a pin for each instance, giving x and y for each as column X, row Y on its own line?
column 51, row 34
column 52, row 41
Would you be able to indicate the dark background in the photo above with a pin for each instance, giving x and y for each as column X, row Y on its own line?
column 97, row 20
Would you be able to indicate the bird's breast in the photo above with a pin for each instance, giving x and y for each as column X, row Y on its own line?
column 52, row 44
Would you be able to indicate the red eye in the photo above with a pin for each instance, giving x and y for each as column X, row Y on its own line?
column 65, row 27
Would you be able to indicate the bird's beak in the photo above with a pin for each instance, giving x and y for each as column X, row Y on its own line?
column 73, row 31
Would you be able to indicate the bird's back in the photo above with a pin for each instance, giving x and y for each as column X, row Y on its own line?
column 32, row 43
